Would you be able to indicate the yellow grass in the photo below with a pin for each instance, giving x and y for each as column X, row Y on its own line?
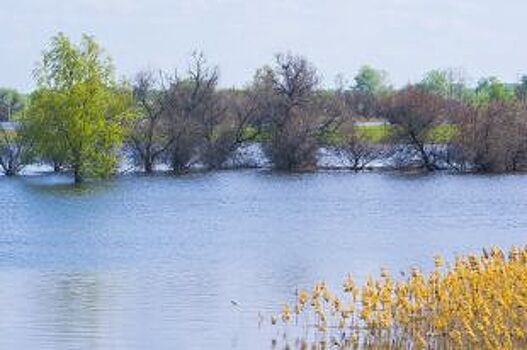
column 478, row 302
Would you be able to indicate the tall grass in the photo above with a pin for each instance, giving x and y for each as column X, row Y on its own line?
column 477, row 302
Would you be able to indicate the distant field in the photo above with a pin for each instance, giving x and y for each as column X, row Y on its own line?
column 377, row 133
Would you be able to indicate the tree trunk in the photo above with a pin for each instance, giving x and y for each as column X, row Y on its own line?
column 77, row 176
column 149, row 167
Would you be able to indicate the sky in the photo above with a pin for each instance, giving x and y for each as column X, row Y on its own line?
column 404, row 37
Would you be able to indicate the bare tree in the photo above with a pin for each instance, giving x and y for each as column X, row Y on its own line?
column 357, row 149
column 493, row 137
column 293, row 112
column 193, row 112
column 229, row 127
column 414, row 113
column 149, row 137
column 363, row 103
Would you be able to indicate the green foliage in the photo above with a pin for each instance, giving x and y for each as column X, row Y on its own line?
column 11, row 103
column 443, row 133
column 447, row 83
column 370, row 80
column 377, row 134
column 491, row 90
column 369, row 133
column 436, row 81
column 77, row 115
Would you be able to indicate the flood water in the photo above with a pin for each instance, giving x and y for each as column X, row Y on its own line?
column 157, row 262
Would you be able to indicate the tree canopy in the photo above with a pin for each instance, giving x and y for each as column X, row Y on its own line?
column 78, row 113
column 11, row 102
column 370, row 80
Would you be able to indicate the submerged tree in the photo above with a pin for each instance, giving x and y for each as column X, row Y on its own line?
column 493, row 137
column 357, row 149
column 15, row 151
column 149, row 137
column 78, row 113
column 414, row 112
column 192, row 108
column 184, row 119
column 293, row 112
column 229, row 128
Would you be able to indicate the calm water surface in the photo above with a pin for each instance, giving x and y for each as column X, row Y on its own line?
column 154, row 262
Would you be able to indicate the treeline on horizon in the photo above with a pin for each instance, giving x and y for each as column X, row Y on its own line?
column 80, row 118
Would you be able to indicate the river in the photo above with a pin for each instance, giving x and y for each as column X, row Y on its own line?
column 189, row 262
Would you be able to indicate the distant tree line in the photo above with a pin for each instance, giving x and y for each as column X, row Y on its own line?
column 80, row 119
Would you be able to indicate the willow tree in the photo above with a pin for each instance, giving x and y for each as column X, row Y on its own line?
column 78, row 113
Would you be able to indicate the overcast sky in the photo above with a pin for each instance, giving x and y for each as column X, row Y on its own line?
column 404, row 37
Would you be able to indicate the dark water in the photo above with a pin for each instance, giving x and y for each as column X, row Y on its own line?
column 154, row 262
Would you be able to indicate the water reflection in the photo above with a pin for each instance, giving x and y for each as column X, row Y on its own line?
column 60, row 184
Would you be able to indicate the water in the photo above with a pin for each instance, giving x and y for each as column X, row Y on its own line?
column 154, row 262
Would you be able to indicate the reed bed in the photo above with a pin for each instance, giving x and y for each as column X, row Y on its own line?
column 476, row 302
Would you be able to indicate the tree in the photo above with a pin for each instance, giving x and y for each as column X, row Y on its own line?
column 15, row 151
column 228, row 129
column 369, row 85
column 293, row 112
column 521, row 89
column 493, row 137
column 414, row 113
column 493, row 90
column 193, row 111
column 448, row 83
column 11, row 102
column 149, row 139
column 78, row 113
column 370, row 80
column 356, row 149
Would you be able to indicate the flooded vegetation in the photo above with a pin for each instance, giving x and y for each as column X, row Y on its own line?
column 80, row 119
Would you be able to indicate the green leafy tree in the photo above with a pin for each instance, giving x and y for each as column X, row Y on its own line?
column 436, row 81
column 448, row 83
column 521, row 89
column 493, row 90
column 370, row 80
column 11, row 102
column 78, row 114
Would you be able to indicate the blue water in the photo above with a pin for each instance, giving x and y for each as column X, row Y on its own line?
column 154, row 262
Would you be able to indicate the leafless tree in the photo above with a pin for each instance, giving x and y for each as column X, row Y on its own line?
column 149, row 137
column 194, row 114
column 357, row 149
column 363, row 103
column 293, row 112
column 414, row 113
column 493, row 137
column 185, row 119
column 229, row 128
